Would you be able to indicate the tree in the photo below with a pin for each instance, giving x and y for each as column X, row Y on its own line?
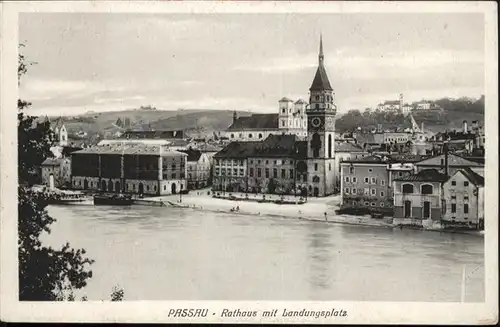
column 45, row 274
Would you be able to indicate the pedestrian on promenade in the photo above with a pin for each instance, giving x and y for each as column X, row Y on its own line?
column 326, row 218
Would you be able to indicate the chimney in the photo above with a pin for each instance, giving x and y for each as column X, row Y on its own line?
column 465, row 126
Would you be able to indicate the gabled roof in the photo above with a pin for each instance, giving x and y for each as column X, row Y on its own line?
column 192, row 155
column 285, row 99
column 52, row 162
column 276, row 146
column 255, row 122
column 472, row 176
column 453, row 160
column 426, row 175
column 237, row 150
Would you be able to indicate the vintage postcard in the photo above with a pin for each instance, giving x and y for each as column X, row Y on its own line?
column 249, row 162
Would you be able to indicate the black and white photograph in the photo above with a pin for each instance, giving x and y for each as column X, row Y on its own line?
column 212, row 152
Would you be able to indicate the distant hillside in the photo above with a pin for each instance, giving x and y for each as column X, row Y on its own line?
column 452, row 115
column 195, row 121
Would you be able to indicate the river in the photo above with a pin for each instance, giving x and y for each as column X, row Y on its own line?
column 157, row 253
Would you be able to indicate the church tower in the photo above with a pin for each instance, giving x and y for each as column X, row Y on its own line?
column 321, row 132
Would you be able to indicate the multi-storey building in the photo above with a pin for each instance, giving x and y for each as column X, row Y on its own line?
column 230, row 167
column 198, row 168
column 452, row 162
column 140, row 169
column 56, row 172
column 290, row 119
column 418, row 198
column 345, row 151
column 463, row 195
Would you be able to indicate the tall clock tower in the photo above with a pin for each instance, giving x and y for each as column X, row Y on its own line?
column 321, row 132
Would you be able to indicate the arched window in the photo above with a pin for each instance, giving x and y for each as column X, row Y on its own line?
column 329, row 145
column 407, row 188
column 260, row 135
column 232, row 136
column 427, row 189
column 250, row 135
column 315, row 179
column 316, row 144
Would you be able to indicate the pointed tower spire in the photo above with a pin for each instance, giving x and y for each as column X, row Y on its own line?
column 321, row 57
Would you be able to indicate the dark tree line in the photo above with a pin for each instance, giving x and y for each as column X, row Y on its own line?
column 45, row 273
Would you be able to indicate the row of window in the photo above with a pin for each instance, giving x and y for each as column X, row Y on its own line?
column 367, row 180
column 366, row 203
column 454, row 198
column 424, row 189
column 366, row 191
column 454, row 183
column 229, row 162
column 249, row 135
column 275, row 173
column 230, row 172
column 454, row 208
column 276, row 162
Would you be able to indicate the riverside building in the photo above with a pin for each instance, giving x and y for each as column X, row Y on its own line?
column 138, row 169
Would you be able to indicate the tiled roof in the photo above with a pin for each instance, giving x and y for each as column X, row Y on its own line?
column 369, row 159
column 52, row 162
column 126, row 149
column 237, row 150
column 285, row 99
column 192, row 155
column 255, row 122
column 473, row 177
column 320, row 81
column 178, row 143
column 347, row 147
column 300, row 101
column 276, row 146
column 453, row 160
column 408, row 158
column 393, row 102
column 172, row 134
column 427, row 175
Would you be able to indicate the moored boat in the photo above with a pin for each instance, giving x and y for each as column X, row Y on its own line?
column 113, row 199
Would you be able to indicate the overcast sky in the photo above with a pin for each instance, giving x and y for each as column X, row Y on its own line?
column 245, row 61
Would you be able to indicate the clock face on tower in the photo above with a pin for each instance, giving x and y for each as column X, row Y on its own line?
column 316, row 123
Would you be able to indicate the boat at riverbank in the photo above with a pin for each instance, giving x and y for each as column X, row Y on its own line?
column 113, row 199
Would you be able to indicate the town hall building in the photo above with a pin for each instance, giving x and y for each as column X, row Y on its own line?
column 300, row 140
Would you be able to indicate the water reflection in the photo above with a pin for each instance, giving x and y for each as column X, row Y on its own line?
column 158, row 253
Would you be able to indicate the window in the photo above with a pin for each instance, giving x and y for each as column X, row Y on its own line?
column 366, row 180
column 346, row 191
column 370, row 170
column 466, row 208
column 407, row 188
column 235, row 172
column 353, row 191
column 453, row 197
column 259, row 172
column 374, row 180
column 373, row 191
column 330, row 167
column 267, row 162
column 223, row 171
column 354, row 179
column 283, row 173
column 174, row 176
column 351, row 170
column 453, row 183
column 260, row 135
column 347, row 179
column 427, row 189
column 242, row 172
column 232, row 136
column 251, row 172
column 267, row 172
column 251, row 161
column 258, row 161
column 367, row 203
column 442, row 162
column 373, row 204
column 466, row 198
column 382, row 193
column 250, row 135
column 382, row 204
column 382, row 182
column 453, row 207
column 330, row 146
column 275, row 173
column 315, row 167
column 466, row 183
column 291, row 173
column 275, row 162
column 305, row 178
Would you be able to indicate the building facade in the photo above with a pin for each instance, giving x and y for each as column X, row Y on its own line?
column 451, row 162
column 198, row 168
column 138, row 169
column 418, row 198
column 56, row 172
column 345, row 151
column 463, row 195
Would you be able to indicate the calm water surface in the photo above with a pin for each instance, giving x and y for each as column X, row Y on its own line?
column 177, row 254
